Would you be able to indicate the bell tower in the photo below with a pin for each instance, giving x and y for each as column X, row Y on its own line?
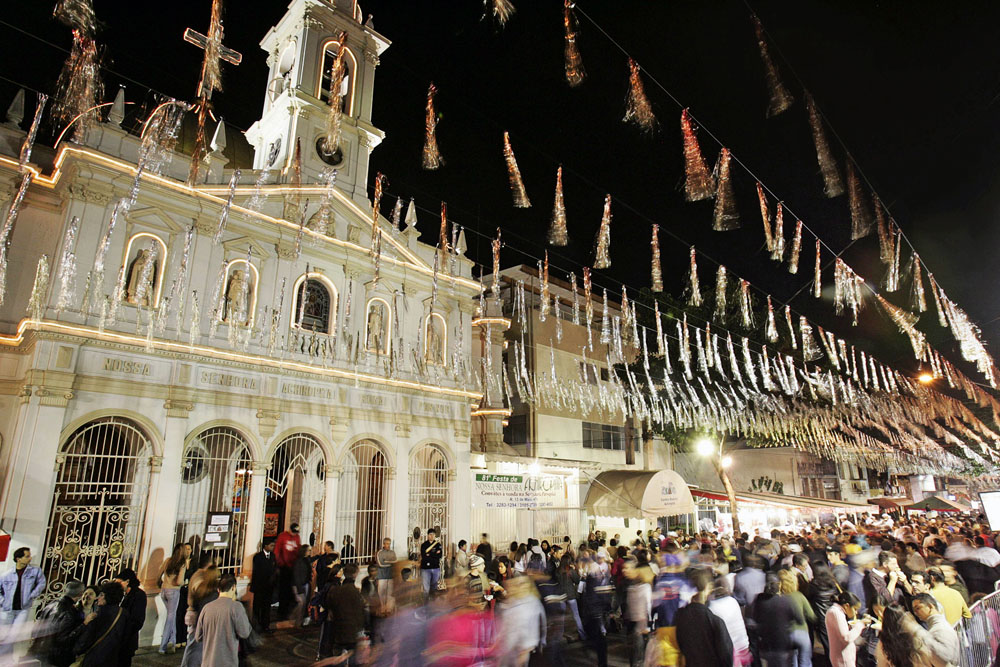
column 301, row 49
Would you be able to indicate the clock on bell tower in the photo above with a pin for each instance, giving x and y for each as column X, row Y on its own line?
column 301, row 51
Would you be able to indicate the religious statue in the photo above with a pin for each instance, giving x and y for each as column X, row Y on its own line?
column 236, row 298
column 435, row 342
column 140, row 279
column 376, row 339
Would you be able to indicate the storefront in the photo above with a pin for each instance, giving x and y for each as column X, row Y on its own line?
column 636, row 500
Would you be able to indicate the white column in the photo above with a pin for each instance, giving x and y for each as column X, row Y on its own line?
column 255, row 514
column 164, row 495
column 330, row 505
column 30, row 477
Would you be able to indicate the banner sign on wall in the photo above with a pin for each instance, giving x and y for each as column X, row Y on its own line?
column 523, row 492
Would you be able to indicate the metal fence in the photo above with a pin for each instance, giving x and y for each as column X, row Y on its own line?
column 979, row 636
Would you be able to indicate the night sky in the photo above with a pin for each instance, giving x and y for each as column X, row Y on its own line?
column 909, row 87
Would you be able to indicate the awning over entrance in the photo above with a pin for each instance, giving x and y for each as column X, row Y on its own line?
column 939, row 504
column 786, row 502
column 638, row 493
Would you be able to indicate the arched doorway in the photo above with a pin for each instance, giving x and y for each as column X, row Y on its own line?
column 428, row 507
column 215, row 477
column 363, row 499
column 296, row 487
column 95, row 528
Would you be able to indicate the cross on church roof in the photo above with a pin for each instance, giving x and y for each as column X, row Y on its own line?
column 201, row 41
column 214, row 52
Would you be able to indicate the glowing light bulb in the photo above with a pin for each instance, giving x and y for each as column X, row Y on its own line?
column 726, row 461
column 925, row 378
column 705, row 447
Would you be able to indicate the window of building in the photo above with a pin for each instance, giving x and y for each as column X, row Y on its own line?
column 588, row 373
column 603, row 436
column 347, row 84
column 515, row 433
column 313, row 305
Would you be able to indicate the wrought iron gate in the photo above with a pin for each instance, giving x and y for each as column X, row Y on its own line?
column 428, row 507
column 298, row 467
column 99, row 506
column 363, row 499
column 216, row 477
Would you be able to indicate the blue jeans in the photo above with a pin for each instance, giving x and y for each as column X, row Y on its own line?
column 803, row 648
column 430, row 579
column 171, row 597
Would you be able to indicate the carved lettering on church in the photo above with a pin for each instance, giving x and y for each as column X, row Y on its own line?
column 431, row 408
column 227, row 380
column 127, row 366
column 306, row 391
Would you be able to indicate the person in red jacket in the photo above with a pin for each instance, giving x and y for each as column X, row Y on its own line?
column 286, row 552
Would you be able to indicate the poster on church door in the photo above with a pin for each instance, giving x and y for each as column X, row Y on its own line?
column 522, row 492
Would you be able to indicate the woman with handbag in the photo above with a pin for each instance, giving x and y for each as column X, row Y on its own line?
column 105, row 631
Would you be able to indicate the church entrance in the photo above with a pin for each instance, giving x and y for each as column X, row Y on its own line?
column 296, row 485
column 363, row 500
column 95, row 528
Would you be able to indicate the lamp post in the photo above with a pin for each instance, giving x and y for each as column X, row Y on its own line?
column 708, row 448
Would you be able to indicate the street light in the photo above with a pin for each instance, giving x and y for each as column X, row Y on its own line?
column 706, row 447
column 925, row 378
column 727, row 461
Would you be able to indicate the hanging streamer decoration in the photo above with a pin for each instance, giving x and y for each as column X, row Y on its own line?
column 576, row 298
column 39, row 291
column 693, row 287
column 79, row 87
column 726, row 216
column 331, row 139
column 432, row 156
column 67, row 266
column 906, row 322
column 892, row 275
column 698, row 181
column 778, row 249
column 771, row 330
column 861, row 219
column 514, row 175
column 884, row 229
column 602, row 259
column 575, row 74
column 781, row 99
column 558, row 235
column 765, row 216
column 918, row 300
column 720, row 295
column 443, row 232
column 938, row 306
column 638, row 110
column 793, row 256
column 746, row 308
column 495, row 287
column 791, row 329
column 502, row 10
column 588, row 306
column 546, row 297
column 656, row 271
column 818, row 274
column 833, row 185
column 810, row 350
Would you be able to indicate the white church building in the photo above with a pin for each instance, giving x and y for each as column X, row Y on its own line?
column 294, row 384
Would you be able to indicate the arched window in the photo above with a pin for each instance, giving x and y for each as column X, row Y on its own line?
column 315, row 304
column 98, row 513
column 295, row 487
column 215, row 477
column 429, row 490
column 350, row 72
column 363, row 499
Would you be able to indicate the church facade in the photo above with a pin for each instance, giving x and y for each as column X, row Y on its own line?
column 260, row 363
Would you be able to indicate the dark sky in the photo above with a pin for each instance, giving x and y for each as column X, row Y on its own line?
column 909, row 86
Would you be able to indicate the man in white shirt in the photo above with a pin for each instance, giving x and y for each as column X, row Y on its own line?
column 939, row 637
column 986, row 555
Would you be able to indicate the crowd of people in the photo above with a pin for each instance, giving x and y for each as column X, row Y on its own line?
column 885, row 594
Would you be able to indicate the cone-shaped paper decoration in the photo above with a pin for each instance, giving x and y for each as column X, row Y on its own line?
column 778, row 249
column 833, row 185
column 726, row 216
column 884, row 233
column 79, row 88
column 656, row 273
column 77, row 14
column 793, row 256
column 638, row 110
column 892, row 275
column 861, row 219
column 432, row 156
column 659, row 328
column 720, row 295
column 746, row 309
column 558, row 235
column 602, row 259
column 942, row 318
column 605, row 322
column 544, row 306
column 397, row 215
column 765, row 216
column 818, row 274
column 39, row 291
column 771, row 330
column 514, row 175
column 575, row 74
column 791, row 329
column 698, row 182
column 694, row 287
column 443, row 233
column 810, row 350
column 781, row 99
column 331, row 140
column 502, row 11
column 918, row 300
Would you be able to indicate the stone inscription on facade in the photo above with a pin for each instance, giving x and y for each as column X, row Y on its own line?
column 306, row 391
column 373, row 401
column 118, row 365
column 427, row 408
column 228, row 380
column 121, row 365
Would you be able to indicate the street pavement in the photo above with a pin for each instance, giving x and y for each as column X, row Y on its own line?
column 298, row 647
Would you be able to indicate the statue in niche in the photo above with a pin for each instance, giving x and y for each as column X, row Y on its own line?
column 141, row 277
column 236, row 298
column 377, row 333
column 435, row 342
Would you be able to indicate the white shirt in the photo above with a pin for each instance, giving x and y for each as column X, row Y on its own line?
column 987, row 556
column 728, row 609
